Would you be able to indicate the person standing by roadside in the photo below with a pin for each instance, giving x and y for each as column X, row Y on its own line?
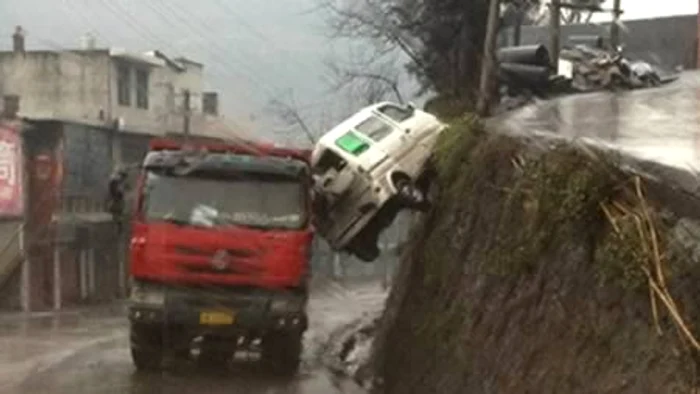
column 116, row 197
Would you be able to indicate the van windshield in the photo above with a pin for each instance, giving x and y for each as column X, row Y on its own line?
column 210, row 202
column 395, row 113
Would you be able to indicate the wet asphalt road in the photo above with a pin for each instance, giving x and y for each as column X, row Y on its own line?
column 660, row 124
column 90, row 354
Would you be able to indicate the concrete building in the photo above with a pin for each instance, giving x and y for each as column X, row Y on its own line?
column 142, row 93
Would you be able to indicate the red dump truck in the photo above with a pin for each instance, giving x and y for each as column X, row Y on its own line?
column 220, row 254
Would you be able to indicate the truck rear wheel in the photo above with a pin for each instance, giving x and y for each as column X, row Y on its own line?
column 281, row 352
column 146, row 347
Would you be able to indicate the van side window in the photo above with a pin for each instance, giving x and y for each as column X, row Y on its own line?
column 397, row 114
column 375, row 128
column 328, row 160
column 352, row 143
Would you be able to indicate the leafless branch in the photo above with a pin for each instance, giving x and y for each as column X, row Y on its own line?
column 380, row 22
column 374, row 81
column 288, row 111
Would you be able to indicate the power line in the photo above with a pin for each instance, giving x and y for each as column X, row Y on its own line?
column 216, row 50
column 256, row 32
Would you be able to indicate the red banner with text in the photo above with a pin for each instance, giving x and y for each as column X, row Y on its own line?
column 11, row 180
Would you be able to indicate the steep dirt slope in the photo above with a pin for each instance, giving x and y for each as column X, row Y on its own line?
column 543, row 268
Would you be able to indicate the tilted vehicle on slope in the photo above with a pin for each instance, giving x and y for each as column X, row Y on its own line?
column 368, row 168
column 220, row 251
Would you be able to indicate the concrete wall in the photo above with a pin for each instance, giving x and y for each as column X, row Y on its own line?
column 87, row 161
column 36, row 78
column 89, row 263
column 668, row 42
column 83, row 87
column 9, row 250
column 133, row 148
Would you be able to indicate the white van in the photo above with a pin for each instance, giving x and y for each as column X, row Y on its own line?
column 375, row 157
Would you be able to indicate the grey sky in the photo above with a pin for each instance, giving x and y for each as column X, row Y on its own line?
column 252, row 50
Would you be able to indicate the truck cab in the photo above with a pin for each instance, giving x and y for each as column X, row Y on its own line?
column 219, row 254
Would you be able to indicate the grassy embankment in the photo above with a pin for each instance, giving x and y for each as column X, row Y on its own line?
column 541, row 268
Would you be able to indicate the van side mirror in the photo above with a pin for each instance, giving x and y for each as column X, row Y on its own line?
column 411, row 107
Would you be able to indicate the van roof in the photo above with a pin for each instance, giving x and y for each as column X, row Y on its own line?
column 350, row 122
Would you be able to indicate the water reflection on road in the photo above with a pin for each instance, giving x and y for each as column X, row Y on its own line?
column 660, row 124
column 88, row 352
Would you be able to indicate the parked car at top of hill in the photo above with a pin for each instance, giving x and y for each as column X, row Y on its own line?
column 366, row 169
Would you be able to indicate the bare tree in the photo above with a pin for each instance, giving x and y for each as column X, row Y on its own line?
column 442, row 40
column 286, row 108
column 385, row 23
column 368, row 83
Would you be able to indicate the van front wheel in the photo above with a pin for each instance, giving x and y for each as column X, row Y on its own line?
column 409, row 195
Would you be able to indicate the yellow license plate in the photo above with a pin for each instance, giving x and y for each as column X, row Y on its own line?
column 216, row 318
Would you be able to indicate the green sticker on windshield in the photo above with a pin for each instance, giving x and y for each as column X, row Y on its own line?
column 352, row 143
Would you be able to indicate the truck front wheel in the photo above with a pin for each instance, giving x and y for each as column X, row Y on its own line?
column 281, row 352
column 146, row 347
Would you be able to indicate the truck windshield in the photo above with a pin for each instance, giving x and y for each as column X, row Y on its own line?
column 209, row 202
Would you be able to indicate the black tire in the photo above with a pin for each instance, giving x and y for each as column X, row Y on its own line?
column 410, row 196
column 146, row 347
column 281, row 352
column 367, row 253
column 364, row 245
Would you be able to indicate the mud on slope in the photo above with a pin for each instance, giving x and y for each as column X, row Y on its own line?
column 543, row 268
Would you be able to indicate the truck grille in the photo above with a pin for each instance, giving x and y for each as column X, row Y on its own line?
column 239, row 261
column 194, row 251
column 234, row 269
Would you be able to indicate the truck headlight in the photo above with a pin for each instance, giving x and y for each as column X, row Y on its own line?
column 147, row 295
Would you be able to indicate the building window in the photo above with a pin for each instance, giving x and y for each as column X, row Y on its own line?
column 142, row 89
column 210, row 103
column 124, row 85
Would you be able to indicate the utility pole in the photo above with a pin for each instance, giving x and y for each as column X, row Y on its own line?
column 488, row 64
column 186, row 114
column 517, row 30
column 697, row 40
column 554, row 33
column 615, row 26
